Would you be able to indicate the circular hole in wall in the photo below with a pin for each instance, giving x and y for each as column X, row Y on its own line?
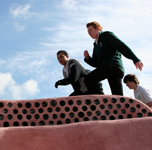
column 89, row 113
column 62, row 115
column 1, row 105
column 6, row 124
column 9, row 116
column 67, row 121
column 15, row 123
column 19, row 117
column 36, row 104
column 97, row 102
column 57, row 109
column 45, row 116
column 19, row 105
column 5, row 111
column 129, row 116
column 93, row 107
column 53, row 103
column 70, row 102
column 49, row 110
column 79, row 102
column 84, row 108
column 28, row 105
column 15, row 111
column 76, row 120
column 40, row 110
column 62, row 103
column 29, row 117
column 118, row 106
column 113, row 100
column 122, row 100
column 105, row 100
column 67, row 109
column 75, row 109
column 24, row 123
column 51, row 123
column 24, row 111
column 33, row 124
column 86, row 119
column 110, row 106
column 59, row 122
column 81, row 114
column 41, row 123
column 88, row 101
column 1, row 117
column 103, row 117
column 102, row 106
column 71, row 115
column 36, row 116
column 44, row 104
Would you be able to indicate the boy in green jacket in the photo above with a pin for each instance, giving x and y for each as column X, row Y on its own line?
column 106, row 58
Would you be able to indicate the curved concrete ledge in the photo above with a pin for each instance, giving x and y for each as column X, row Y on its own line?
column 126, row 134
column 65, row 110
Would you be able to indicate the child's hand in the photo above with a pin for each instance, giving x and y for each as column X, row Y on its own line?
column 139, row 65
column 56, row 84
column 86, row 54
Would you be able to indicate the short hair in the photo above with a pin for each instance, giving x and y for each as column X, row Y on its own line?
column 94, row 24
column 131, row 78
column 62, row 51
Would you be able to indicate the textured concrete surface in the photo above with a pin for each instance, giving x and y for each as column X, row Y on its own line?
column 91, row 122
column 65, row 110
column 126, row 134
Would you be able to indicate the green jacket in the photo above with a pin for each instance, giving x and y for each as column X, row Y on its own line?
column 109, row 50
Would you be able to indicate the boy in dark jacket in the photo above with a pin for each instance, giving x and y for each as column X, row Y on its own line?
column 74, row 74
column 107, row 60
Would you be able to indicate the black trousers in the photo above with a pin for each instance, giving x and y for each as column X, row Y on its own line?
column 112, row 74
column 78, row 92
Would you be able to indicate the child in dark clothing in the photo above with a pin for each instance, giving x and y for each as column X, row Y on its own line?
column 107, row 60
column 74, row 74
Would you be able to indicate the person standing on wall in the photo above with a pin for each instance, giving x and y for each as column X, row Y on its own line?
column 106, row 58
column 74, row 74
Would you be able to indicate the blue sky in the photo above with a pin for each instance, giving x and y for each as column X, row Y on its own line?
column 32, row 31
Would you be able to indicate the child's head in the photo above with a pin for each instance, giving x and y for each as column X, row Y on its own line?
column 95, row 25
column 131, row 78
column 62, row 57
column 93, row 29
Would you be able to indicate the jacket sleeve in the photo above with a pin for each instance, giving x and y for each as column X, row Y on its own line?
column 91, row 62
column 75, row 70
column 121, row 47
column 64, row 81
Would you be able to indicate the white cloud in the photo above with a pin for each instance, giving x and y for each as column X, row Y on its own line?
column 5, row 81
column 31, row 87
column 70, row 4
column 19, row 27
column 21, row 11
column 9, row 88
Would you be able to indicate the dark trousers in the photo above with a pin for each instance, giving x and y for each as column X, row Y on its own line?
column 112, row 74
column 78, row 92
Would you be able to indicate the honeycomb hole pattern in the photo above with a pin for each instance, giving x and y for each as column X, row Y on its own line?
column 65, row 110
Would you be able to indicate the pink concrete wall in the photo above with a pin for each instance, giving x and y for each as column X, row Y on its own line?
column 125, row 134
column 65, row 110
column 100, row 122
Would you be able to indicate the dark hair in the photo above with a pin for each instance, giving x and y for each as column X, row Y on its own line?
column 94, row 24
column 62, row 51
column 131, row 78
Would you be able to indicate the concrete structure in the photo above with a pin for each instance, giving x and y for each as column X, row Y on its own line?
column 76, row 123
